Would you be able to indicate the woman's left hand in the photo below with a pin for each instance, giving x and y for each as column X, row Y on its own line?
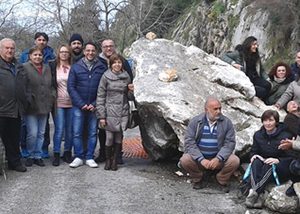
column 271, row 161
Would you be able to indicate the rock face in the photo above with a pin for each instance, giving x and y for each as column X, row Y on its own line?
column 279, row 202
column 166, row 107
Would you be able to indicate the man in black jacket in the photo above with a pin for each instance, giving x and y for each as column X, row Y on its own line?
column 10, row 104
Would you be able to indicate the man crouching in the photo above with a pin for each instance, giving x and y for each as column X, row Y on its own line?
column 209, row 144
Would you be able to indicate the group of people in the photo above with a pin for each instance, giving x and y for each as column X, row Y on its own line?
column 275, row 88
column 85, row 92
column 210, row 137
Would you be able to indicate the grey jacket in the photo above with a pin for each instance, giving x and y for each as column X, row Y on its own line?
column 225, row 132
column 291, row 93
column 40, row 90
column 112, row 100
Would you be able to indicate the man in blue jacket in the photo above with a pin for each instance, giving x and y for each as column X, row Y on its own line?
column 83, row 83
column 209, row 144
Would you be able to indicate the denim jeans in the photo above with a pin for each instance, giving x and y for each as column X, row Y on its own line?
column 35, row 127
column 63, row 125
column 78, row 119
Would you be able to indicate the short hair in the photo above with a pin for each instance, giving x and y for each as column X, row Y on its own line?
column 38, row 34
column 35, row 48
column 106, row 39
column 115, row 57
column 6, row 40
column 90, row 43
column 274, row 69
column 209, row 99
column 268, row 114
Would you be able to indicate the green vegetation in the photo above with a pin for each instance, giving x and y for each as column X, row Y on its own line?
column 217, row 9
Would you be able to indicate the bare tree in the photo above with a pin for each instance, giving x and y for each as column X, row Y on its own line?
column 6, row 9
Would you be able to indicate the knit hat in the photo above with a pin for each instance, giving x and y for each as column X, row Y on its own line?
column 75, row 37
column 38, row 34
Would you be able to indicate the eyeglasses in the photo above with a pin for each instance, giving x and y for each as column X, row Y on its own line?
column 64, row 52
column 108, row 46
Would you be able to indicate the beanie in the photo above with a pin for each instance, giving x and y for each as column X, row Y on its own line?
column 75, row 37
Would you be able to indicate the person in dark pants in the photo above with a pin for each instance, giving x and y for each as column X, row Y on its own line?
column 268, row 162
column 108, row 48
column 10, row 103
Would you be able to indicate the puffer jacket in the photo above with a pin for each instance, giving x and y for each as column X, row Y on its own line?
column 225, row 133
column 11, row 92
column 112, row 100
column 83, row 84
column 40, row 91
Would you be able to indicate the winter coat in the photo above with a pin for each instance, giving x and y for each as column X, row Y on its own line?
column 112, row 100
column 291, row 93
column 234, row 57
column 225, row 133
column 11, row 92
column 292, row 123
column 126, row 65
column 83, row 84
column 277, row 90
column 48, row 54
column 295, row 69
column 40, row 91
column 266, row 145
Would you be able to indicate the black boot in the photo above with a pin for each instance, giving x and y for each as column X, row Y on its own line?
column 101, row 157
column 108, row 153
column 120, row 156
column 67, row 157
column 56, row 159
column 117, row 151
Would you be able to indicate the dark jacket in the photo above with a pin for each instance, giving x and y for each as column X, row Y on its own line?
column 83, row 84
column 292, row 123
column 267, row 145
column 48, row 54
column 11, row 92
column 126, row 66
column 278, row 89
column 235, row 57
column 295, row 70
column 225, row 132
column 40, row 91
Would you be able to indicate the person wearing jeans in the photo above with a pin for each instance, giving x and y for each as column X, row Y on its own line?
column 40, row 95
column 83, row 83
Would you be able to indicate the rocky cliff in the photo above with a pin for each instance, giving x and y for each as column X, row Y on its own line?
column 219, row 25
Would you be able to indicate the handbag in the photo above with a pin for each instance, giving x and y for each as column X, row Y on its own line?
column 133, row 117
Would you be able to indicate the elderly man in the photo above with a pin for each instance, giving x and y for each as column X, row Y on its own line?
column 296, row 65
column 209, row 144
column 83, row 84
column 76, row 44
column 10, row 103
column 108, row 48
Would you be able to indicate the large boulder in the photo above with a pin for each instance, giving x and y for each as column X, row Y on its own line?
column 165, row 108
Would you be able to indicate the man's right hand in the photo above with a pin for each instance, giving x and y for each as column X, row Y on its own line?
column 205, row 163
column 286, row 144
column 85, row 107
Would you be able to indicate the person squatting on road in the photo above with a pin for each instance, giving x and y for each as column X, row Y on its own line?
column 209, row 144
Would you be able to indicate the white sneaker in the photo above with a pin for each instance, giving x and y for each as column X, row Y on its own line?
column 76, row 163
column 91, row 163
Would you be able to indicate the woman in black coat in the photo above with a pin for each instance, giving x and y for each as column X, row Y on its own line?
column 268, row 162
